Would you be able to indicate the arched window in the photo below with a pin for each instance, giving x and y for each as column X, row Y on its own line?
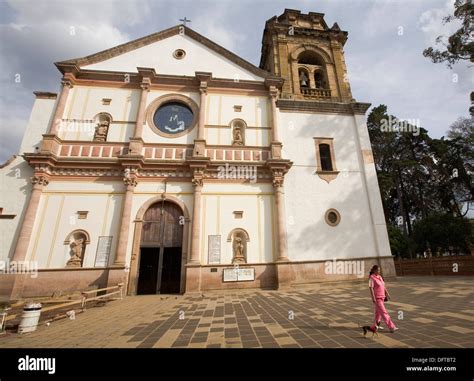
column 319, row 80
column 325, row 157
column 77, row 241
column 312, row 75
column 309, row 57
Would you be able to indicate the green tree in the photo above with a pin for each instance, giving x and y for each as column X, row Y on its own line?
column 419, row 176
column 398, row 242
column 443, row 231
column 460, row 45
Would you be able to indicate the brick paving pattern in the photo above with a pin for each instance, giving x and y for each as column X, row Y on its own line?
column 430, row 312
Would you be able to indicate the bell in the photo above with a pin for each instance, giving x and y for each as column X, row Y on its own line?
column 303, row 82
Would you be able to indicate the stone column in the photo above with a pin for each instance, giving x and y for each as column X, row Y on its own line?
column 130, row 183
column 39, row 182
column 340, row 67
column 197, row 181
column 273, row 99
column 281, row 217
column 145, row 86
column 202, row 110
column 275, row 144
column 59, row 112
column 295, row 75
column 312, row 82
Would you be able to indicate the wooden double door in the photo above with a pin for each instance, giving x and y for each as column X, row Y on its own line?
column 161, row 251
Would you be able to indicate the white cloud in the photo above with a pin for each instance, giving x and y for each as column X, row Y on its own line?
column 83, row 12
column 431, row 22
column 42, row 34
column 383, row 67
column 213, row 27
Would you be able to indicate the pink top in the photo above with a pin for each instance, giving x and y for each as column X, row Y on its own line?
column 376, row 282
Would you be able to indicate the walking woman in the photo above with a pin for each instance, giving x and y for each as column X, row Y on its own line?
column 379, row 294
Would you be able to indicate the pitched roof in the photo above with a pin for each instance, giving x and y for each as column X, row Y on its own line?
column 152, row 38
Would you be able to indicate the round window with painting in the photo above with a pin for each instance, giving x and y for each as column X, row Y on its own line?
column 172, row 115
column 173, row 118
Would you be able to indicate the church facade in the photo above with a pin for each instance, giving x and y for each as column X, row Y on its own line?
column 172, row 165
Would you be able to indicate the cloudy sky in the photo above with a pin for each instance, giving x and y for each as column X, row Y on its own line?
column 383, row 53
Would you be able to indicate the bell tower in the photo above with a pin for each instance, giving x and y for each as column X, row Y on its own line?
column 308, row 55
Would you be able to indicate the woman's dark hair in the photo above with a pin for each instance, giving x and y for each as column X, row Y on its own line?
column 373, row 269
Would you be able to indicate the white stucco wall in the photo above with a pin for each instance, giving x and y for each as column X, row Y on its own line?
column 38, row 124
column 159, row 55
column 15, row 185
column 85, row 102
column 15, row 190
column 308, row 197
column 57, row 218
column 220, row 112
column 219, row 201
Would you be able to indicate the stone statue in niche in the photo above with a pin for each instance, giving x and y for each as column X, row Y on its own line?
column 101, row 131
column 77, row 251
column 238, row 137
column 239, row 251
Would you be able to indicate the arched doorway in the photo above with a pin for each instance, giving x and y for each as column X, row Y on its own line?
column 161, row 249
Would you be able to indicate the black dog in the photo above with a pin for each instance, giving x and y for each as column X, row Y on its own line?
column 367, row 328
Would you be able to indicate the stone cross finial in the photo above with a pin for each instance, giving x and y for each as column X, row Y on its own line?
column 184, row 21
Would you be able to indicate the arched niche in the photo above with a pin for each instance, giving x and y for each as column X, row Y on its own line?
column 77, row 241
column 237, row 127
column 239, row 238
column 102, row 122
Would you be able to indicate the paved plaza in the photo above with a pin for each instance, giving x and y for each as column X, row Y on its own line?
column 430, row 312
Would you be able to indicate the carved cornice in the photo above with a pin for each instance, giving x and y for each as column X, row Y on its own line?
column 165, row 81
column 278, row 182
column 203, row 87
column 197, row 182
column 278, row 177
column 40, row 180
column 164, row 173
column 130, row 181
column 274, row 82
column 146, row 73
column 141, row 168
column 274, row 92
column 323, row 107
column 67, row 83
column 145, row 85
column 86, row 172
column 45, row 95
column 198, row 177
column 278, row 168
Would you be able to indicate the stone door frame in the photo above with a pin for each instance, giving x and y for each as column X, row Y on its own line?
column 135, row 257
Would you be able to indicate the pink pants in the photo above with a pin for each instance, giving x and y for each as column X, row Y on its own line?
column 381, row 312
